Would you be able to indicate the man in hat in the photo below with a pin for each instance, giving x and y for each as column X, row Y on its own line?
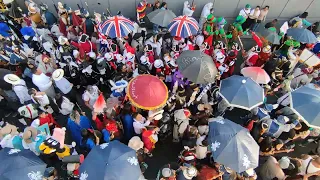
column 19, row 87
column 86, row 48
column 46, row 64
column 64, row 85
column 43, row 82
column 48, row 16
column 141, row 10
column 181, row 122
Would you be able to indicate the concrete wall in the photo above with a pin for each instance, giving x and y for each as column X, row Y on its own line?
column 280, row 9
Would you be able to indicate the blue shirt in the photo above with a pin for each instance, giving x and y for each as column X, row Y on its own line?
column 128, row 126
column 76, row 128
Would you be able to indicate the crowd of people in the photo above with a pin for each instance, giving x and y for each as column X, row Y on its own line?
column 55, row 70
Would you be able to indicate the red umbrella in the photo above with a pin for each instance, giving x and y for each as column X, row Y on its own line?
column 100, row 104
column 147, row 92
column 257, row 40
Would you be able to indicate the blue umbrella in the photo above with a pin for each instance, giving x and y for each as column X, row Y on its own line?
column 302, row 35
column 20, row 164
column 110, row 161
column 241, row 92
column 305, row 102
column 232, row 145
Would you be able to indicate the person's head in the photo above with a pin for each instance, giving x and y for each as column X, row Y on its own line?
column 32, row 91
column 266, row 8
column 278, row 144
column 137, row 116
column 304, row 15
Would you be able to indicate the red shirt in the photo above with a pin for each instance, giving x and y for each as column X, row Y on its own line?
column 48, row 119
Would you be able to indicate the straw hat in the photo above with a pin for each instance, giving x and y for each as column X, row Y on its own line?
column 62, row 40
column 57, row 74
column 29, row 134
column 135, row 143
column 12, row 79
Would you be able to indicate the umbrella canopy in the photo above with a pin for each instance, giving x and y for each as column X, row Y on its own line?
column 232, row 145
column 241, row 92
column 3, row 84
column 147, row 92
column 161, row 17
column 271, row 36
column 302, row 35
column 110, row 161
column 20, row 164
column 305, row 102
column 183, row 26
column 258, row 74
column 197, row 66
column 116, row 27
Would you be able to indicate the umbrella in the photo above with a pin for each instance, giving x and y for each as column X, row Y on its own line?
column 241, row 92
column 271, row 36
column 161, row 17
column 197, row 66
column 110, row 161
column 258, row 74
column 20, row 164
column 147, row 92
column 232, row 145
column 302, row 35
column 3, row 84
column 116, row 27
column 183, row 26
column 305, row 102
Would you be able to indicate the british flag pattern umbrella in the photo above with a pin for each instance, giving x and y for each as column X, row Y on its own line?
column 183, row 26
column 116, row 27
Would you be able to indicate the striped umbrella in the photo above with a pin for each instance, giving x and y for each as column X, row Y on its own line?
column 116, row 27
column 183, row 26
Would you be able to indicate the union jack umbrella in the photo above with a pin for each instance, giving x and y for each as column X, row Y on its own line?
column 183, row 26
column 116, row 27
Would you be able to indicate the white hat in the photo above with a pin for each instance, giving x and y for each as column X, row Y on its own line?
column 284, row 162
column 135, row 143
column 12, row 79
column 57, row 74
column 267, row 49
column 62, row 40
column 158, row 63
column 75, row 53
column 190, row 172
column 108, row 56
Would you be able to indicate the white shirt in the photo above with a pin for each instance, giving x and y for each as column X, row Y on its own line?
column 42, row 81
column 91, row 97
column 244, row 12
column 21, row 91
column 64, row 85
column 138, row 126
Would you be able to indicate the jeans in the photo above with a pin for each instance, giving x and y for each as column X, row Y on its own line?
column 255, row 27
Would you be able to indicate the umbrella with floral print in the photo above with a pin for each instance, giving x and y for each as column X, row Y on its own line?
column 232, row 145
column 110, row 161
column 20, row 164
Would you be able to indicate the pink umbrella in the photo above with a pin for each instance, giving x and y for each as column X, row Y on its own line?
column 257, row 74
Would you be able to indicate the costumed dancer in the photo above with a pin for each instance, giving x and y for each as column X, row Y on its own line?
column 141, row 10
column 187, row 9
column 209, row 29
column 207, row 9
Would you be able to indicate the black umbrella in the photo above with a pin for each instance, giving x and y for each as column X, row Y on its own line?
column 4, row 85
column 20, row 164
